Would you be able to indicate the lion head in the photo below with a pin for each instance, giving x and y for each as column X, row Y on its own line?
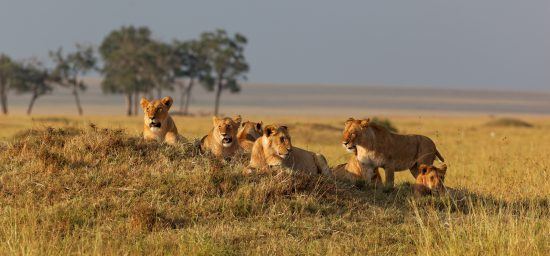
column 353, row 133
column 432, row 178
column 250, row 130
column 225, row 129
column 276, row 141
column 156, row 111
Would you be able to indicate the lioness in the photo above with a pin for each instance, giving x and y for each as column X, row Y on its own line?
column 430, row 180
column 222, row 138
column 354, row 171
column 248, row 134
column 377, row 147
column 274, row 148
column 158, row 124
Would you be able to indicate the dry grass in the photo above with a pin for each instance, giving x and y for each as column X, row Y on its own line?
column 73, row 189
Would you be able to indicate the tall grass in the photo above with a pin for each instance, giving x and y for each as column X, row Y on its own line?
column 104, row 191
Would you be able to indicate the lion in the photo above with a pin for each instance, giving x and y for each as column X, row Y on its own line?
column 222, row 138
column 248, row 134
column 275, row 148
column 158, row 124
column 353, row 171
column 377, row 147
column 430, row 180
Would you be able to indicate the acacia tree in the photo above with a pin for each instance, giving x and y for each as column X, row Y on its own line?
column 34, row 78
column 69, row 69
column 124, row 52
column 226, row 56
column 8, row 70
column 159, row 65
column 192, row 62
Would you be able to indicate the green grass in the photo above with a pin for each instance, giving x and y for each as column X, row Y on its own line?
column 67, row 188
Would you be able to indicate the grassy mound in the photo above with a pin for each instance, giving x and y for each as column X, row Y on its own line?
column 102, row 186
column 385, row 123
column 508, row 122
column 101, row 191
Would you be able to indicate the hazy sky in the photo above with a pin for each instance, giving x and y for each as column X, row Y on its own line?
column 435, row 43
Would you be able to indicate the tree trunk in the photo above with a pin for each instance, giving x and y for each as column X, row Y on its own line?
column 182, row 96
column 129, row 104
column 218, row 94
column 136, row 102
column 4, row 99
column 31, row 104
column 188, row 96
column 77, row 99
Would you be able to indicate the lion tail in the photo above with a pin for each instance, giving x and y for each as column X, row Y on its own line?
column 322, row 164
column 438, row 155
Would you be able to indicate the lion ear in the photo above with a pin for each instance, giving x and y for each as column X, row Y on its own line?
column 237, row 119
column 365, row 122
column 269, row 129
column 443, row 170
column 423, row 168
column 284, row 127
column 144, row 102
column 259, row 127
column 167, row 101
column 215, row 120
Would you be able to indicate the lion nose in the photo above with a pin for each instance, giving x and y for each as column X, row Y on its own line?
column 345, row 143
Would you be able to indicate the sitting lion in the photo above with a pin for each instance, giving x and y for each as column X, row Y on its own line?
column 158, row 124
column 376, row 147
column 353, row 171
column 274, row 148
column 430, row 180
column 222, row 138
column 248, row 134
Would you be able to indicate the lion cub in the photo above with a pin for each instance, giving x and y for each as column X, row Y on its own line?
column 274, row 148
column 248, row 134
column 222, row 138
column 158, row 124
column 430, row 180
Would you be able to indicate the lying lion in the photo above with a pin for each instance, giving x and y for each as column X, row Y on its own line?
column 353, row 171
column 248, row 134
column 376, row 147
column 430, row 180
column 274, row 148
column 158, row 124
column 222, row 138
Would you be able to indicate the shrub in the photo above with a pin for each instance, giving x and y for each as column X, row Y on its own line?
column 508, row 122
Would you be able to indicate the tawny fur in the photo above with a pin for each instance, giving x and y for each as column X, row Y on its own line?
column 274, row 148
column 430, row 180
column 156, row 114
column 353, row 171
column 223, row 129
column 377, row 147
column 248, row 134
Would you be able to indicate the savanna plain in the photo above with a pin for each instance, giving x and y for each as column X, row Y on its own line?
column 91, row 185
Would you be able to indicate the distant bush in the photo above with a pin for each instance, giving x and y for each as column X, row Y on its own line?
column 385, row 122
column 508, row 122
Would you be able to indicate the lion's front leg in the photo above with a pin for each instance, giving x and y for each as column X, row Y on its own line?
column 368, row 173
column 171, row 138
column 390, row 176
